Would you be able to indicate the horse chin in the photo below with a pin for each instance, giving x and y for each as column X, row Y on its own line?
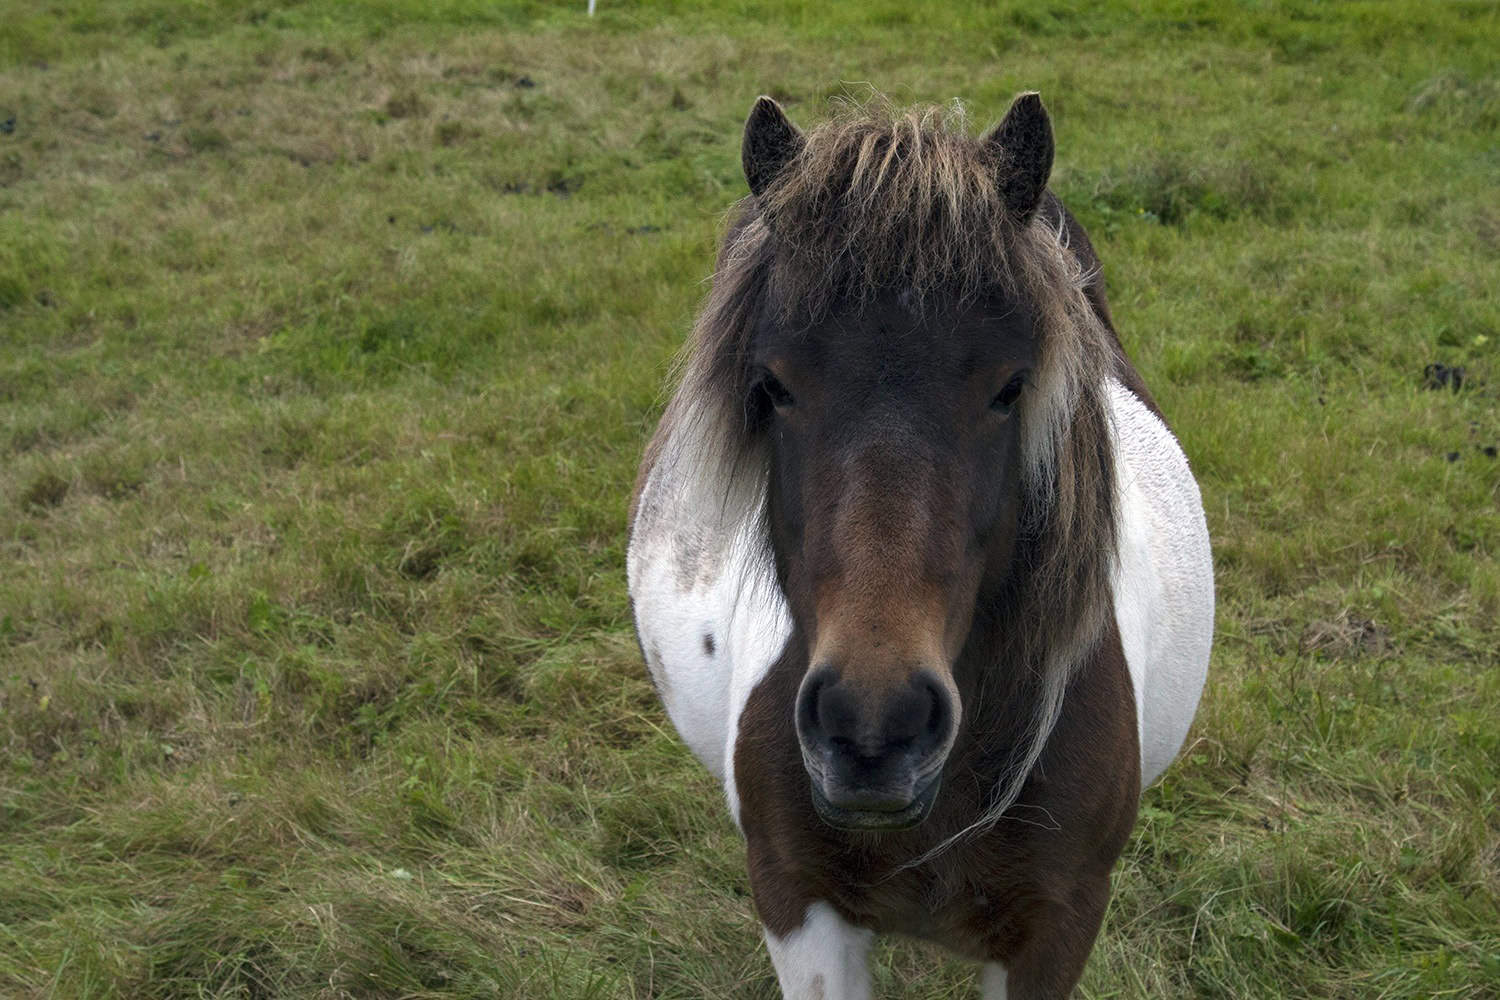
column 877, row 821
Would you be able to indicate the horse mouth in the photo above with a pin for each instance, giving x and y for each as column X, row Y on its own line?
column 902, row 818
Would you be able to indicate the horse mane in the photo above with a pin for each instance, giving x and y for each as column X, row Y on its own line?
column 882, row 200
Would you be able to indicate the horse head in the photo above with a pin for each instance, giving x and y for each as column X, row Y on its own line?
column 891, row 375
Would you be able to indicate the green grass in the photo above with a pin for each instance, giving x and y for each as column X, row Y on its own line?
column 329, row 337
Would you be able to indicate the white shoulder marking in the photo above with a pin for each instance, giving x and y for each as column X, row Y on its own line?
column 824, row 959
column 1163, row 581
column 708, row 610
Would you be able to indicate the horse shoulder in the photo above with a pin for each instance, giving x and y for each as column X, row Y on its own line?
column 1163, row 579
column 707, row 611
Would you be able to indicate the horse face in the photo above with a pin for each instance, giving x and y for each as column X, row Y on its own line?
column 894, row 492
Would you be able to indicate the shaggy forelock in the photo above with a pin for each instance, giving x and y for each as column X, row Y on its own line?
column 878, row 200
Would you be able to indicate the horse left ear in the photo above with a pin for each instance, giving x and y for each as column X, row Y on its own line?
column 771, row 141
column 1023, row 140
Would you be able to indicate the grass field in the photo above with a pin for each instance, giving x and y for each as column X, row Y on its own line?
column 330, row 334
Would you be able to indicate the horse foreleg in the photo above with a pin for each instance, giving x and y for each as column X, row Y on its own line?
column 994, row 981
column 826, row 958
column 1050, row 963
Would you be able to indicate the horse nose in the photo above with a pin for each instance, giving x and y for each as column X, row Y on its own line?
column 916, row 716
column 873, row 749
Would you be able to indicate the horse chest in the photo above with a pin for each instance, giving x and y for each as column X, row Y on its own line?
column 981, row 896
column 977, row 904
column 978, row 900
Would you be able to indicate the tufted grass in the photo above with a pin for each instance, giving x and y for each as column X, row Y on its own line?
column 329, row 337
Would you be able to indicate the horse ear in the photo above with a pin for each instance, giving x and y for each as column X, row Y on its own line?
column 771, row 141
column 1023, row 140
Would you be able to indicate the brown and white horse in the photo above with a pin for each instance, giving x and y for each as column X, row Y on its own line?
column 916, row 564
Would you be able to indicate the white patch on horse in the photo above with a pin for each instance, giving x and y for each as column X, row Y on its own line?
column 707, row 606
column 824, row 959
column 1163, row 581
column 992, row 984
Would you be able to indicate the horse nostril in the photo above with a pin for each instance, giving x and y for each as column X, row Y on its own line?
column 932, row 713
column 939, row 714
column 809, row 704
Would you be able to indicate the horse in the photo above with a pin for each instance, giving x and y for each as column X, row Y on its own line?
column 917, row 566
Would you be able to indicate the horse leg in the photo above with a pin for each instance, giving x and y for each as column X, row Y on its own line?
column 1050, row 962
column 824, row 959
column 993, row 983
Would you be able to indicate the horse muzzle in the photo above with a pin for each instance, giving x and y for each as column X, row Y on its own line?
column 875, row 760
column 860, row 810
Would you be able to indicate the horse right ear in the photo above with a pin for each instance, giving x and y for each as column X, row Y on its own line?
column 771, row 142
column 1023, row 142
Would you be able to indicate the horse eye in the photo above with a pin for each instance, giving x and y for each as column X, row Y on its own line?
column 1006, row 398
column 775, row 391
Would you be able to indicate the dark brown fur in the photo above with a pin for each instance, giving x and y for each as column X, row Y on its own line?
column 1030, row 892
